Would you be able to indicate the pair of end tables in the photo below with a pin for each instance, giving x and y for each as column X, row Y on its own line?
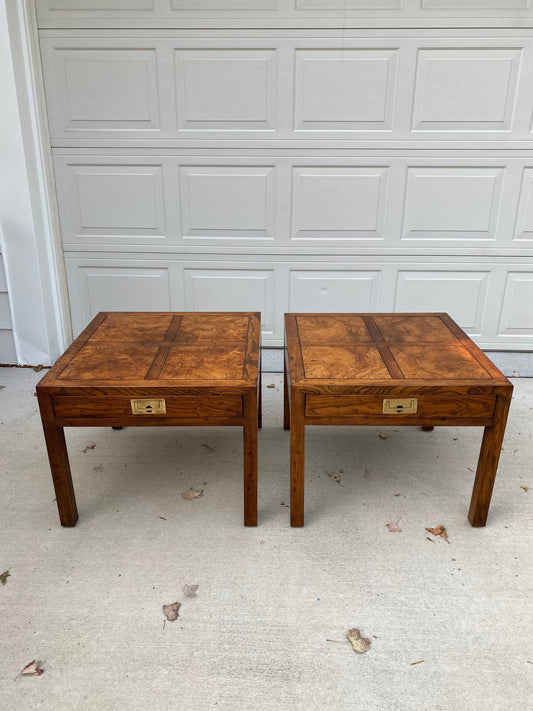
column 141, row 369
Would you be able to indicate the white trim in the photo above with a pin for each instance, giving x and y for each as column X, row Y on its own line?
column 42, row 328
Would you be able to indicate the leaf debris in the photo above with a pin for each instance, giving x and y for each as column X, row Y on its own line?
column 382, row 436
column 272, row 385
column 525, row 488
column 420, row 662
column 88, row 447
column 393, row 527
column 171, row 611
column 4, row 576
column 192, row 494
column 359, row 644
column 31, row 669
column 438, row 531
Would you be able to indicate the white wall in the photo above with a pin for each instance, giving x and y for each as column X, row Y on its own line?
column 24, row 238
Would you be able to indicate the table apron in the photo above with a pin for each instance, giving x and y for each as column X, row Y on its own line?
column 431, row 410
column 117, row 411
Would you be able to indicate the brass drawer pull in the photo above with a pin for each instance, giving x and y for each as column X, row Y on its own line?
column 148, row 407
column 400, row 406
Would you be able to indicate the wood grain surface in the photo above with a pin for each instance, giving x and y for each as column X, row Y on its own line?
column 339, row 369
column 204, row 365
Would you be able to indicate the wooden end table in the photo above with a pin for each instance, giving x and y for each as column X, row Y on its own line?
column 142, row 369
column 391, row 369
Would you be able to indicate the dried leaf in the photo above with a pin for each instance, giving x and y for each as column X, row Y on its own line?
column 192, row 494
column 359, row 644
column 32, row 669
column 420, row 662
column 272, row 385
column 4, row 576
column 88, row 447
column 190, row 590
column 171, row 611
column 382, row 436
column 439, row 531
column 394, row 528
column 525, row 488
column 162, row 518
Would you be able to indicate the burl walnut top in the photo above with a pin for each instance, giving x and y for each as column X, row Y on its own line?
column 146, row 349
column 384, row 348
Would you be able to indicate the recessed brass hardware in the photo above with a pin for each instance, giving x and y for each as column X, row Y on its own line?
column 148, row 407
column 400, row 406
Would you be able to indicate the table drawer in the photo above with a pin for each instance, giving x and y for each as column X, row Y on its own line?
column 451, row 407
column 187, row 407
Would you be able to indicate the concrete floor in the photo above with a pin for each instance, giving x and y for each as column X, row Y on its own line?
column 87, row 600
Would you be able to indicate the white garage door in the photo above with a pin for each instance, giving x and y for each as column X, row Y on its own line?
column 266, row 155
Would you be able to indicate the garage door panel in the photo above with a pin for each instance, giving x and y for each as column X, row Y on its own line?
column 222, row 155
column 106, row 89
column 228, row 202
column 348, row 203
column 112, row 203
column 229, row 89
column 115, row 285
column 244, row 289
column 289, row 201
column 452, row 203
column 343, row 291
column 466, row 89
column 277, row 88
column 523, row 231
column 462, row 294
column 173, row 13
column 517, row 307
column 344, row 90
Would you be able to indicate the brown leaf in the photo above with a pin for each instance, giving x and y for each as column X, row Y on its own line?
column 359, row 644
column 382, row 436
column 439, row 531
column 525, row 488
column 420, row 662
column 171, row 611
column 272, row 385
column 88, row 447
column 192, row 494
column 394, row 528
column 32, row 669
column 4, row 576
column 190, row 590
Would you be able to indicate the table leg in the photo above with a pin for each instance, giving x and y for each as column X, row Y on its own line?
column 286, row 406
column 297, row 457
column 59, row 464
column 250, row 457
column 489, row 456
column 260, row 399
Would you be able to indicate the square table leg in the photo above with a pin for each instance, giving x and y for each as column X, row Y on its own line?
column 487, row 466
column 59, row 464
column 286, row 404
column 250, row 457
column 297, row 457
